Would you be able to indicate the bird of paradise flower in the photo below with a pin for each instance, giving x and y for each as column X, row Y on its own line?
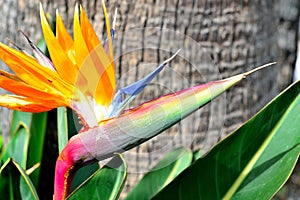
column 81, row 76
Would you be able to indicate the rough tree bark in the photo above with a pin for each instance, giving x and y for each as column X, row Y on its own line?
column 218, row 39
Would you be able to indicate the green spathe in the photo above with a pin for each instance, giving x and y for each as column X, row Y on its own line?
column 253, row 162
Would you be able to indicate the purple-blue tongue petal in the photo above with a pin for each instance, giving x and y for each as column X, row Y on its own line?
column 118, row 104
column 112, row 32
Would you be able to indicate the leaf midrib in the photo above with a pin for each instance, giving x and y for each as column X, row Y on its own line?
column 258, row 153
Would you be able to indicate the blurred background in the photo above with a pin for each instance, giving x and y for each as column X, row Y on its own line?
column 218, row 39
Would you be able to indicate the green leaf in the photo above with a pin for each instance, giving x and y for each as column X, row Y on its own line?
column 15, row 184
column 26, row 144
column 36, row 143
column 197, row 154
column 18, row 117
column 62, row 127
column 73, row 125
column 17, row 147
column 83, row 174
column 253, row 162
column 1, row 142
column 162, row 174
column 107, row 183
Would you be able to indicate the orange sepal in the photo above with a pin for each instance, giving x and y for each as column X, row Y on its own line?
column 93, row 61
column 31, row 72
column 62, row 35
column 88, row 33
column 25, row 104
column 13, row 84
column 63, row 64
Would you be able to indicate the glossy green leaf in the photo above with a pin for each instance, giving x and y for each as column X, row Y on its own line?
column 162, row 174
column 17, row 147
column 36, row 143
column 107, row 183
column 83, row 174
column 62, row 127
column 26, row 143
column 15, row 184
column 197, row 154
column 1, row 142
column 253, row 162
column 18, row 117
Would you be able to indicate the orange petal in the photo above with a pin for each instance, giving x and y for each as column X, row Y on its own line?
column 81, row 50
column 32, row 73
column 62, row 35
column 24, row 104
column 13, row 84
column 108, row 78
column 106, row 87
column 64, row 66
column 110, row 68
column 83, row 60
column 92, row 64
column 110, row 48
column 99, row 84
column 88, row 33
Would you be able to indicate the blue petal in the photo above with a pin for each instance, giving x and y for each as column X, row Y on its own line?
column 118, row 104
column 112, row 32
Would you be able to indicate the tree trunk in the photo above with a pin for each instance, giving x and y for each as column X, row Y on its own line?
column 218, row 39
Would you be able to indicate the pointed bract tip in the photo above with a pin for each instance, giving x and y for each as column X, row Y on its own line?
column 76, row 15
column 41, row 9
column 41, row 6
column 57, row 12
column 42, row 14
column 81, row 10
column 115, row 19
column 173, row 56
column 104, row 8
column 258, row 68
column 76, row 9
